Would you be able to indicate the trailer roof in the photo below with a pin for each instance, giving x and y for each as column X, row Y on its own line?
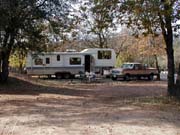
column 85, row 51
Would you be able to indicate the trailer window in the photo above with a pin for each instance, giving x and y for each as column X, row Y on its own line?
column 75, row 61
column 104, row 54
column 47, row 60
column 38, row 61
column 58, row 58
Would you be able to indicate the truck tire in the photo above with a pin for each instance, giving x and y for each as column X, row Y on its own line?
column 114, row 78
column 151, row 77
column 127, row 77
column 67, row 76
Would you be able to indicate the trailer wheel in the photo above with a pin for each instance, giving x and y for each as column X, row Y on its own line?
column 138, row 77
column 59, row 76
column 67, row 76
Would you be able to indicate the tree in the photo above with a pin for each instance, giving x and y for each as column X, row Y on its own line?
column 21, row 26
column 151, row 48
column 123, row 44
column 154, row 17
column 98, row 19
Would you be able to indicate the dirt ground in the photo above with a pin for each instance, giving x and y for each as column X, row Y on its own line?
column 52, row 107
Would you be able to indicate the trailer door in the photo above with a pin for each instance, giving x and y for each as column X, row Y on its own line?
column 87, row 63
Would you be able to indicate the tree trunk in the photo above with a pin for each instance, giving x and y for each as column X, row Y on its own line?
column 0, row 65
column 166, row 26
column 21, row 67
column 100, row 41
column 157, row 66
column 178, row 83
column 178, row 77
column 5, row 58
column 5, row 68
column 171, row 68
column 170, row 57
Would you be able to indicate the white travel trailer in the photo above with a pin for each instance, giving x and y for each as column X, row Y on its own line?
column 70, row 63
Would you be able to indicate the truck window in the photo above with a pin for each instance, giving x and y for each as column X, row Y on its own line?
column 38, row 61
column 58, row 58
column 47, row 60
column 104, row 54
column 75, row 61
column 127, row 66
column 138, row 66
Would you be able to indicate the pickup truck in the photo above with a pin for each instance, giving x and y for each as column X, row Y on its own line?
column 133, row 70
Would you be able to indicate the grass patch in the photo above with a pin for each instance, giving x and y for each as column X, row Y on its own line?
column 161, row 102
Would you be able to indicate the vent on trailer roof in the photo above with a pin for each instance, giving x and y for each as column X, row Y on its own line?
column 71, row 50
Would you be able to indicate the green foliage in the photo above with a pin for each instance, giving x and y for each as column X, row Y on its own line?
column 17, row 60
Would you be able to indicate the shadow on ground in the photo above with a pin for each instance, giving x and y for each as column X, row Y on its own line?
column 122, row 90
column 16, row 86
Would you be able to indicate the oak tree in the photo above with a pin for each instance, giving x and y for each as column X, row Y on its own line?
column 21, row 26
